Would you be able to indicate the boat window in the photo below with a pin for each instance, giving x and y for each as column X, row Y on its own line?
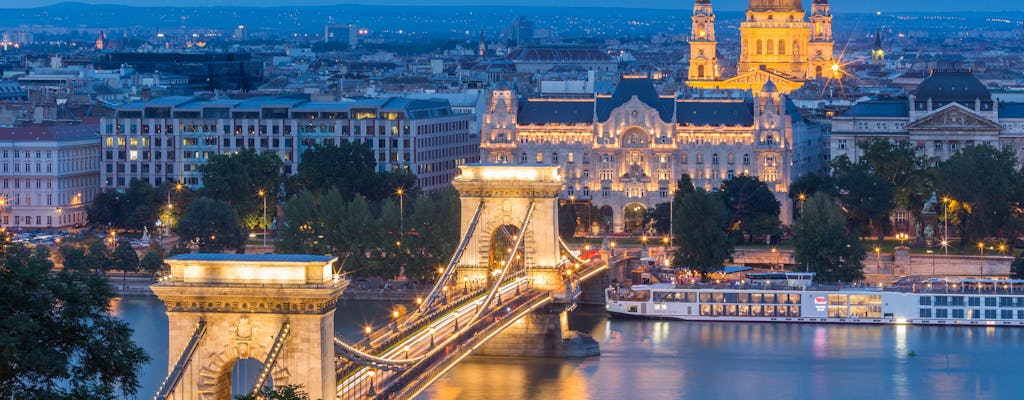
column 860, row 299
column 957, row 301
column 941, row 313
column 990, row 302
column 1006, row 301
column 836, row 311
column 990, row 314
column 756, row 298
column 926, row 312
column 941, row 301
column 837, row 299
column 974, row 301
column 925, row 301
column 958, row 313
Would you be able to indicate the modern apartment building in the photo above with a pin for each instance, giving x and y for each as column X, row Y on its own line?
column 168, row 138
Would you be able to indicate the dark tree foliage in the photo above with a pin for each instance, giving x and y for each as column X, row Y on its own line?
column 140, row 204
column 899, row 164
column 213, row 225
column 350, row 169
column 866, row 198
column 702, row 242
column 125, row 258
column 57, row 338
column 753, row 209
column 824, row 244
column 984, row 184
column 1017, row 267
column 660, row 217
column 106, row 209
column 566, row 220
column 152, row 262
column 374, row 243
column 290, row 392
column 237, row 179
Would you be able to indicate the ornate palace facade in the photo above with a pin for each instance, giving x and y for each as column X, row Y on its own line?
column 777, row 43
column 625, row 152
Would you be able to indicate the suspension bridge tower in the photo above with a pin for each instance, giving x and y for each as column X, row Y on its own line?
column 273, row 312
column 513, row 200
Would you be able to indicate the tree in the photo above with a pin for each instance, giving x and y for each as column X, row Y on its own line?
column 125, row 259
column 106, row 209
column 290, row 392
column 659, row 217
column 152, row 262
column 753, row 209
column 900, row 164
column 566, row 219
column 213, row 225
column 140, row 205
column 434, row 227
column 825, row 245
column 982, row 183
column 1017, row 267
column 807, row 185
column 867, row 198
column 238, row 178
column 701, row 221
column 348, row 167
column 57, row 337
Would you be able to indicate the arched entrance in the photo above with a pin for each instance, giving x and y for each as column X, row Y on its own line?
column 633, row 217
column 244, row 374
column 502, row 240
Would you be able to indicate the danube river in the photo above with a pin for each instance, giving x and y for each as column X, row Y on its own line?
column 643, row 359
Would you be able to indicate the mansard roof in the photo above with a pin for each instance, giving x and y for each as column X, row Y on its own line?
column 715, row 112
column 1011, row 110
column 561, row 111
column 879, row 108
column 953, row 85
column 643, row 89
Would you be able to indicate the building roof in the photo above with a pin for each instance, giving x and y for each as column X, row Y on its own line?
column 562, row 111
column 252, row 257
column 952, row 85
column 561, row 54
column 776, row 5
column 1011, row 110
column 643, row 89
column 714, row 113
column 56, row 132
column 879, row 108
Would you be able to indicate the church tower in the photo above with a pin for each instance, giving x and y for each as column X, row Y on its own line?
column 703, row 60
column 820, row 47
column 877, row 53
column 498, row 131
column 774, row 38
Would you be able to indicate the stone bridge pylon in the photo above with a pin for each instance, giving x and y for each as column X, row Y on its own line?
column 225, row 309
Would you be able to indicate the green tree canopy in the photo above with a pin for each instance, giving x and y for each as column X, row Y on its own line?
column 701, row 222
column 753, row 209
column 350, row 169
column 983, row 184
column 237, row 179
column 900, row 164
column 823, row 243
column 866, row 198
column 57, row 337
column 106, row 209
column 213, row 225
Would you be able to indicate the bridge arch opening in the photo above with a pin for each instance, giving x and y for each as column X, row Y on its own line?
column 502, row 240
column 633, row 217
column 244, row 374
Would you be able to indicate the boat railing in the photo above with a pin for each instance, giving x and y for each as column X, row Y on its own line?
column 999, row 289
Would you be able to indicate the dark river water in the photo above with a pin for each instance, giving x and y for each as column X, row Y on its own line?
column 645, row 359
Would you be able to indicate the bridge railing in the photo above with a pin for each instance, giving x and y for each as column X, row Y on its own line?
column 420, row 376
column 171, row 382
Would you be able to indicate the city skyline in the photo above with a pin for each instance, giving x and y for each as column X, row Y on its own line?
column 865, row 6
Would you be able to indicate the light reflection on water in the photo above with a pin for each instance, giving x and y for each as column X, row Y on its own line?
column 644, row 359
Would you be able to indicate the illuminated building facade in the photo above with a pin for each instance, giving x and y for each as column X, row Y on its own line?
column 778, row 42
column 625, row 152
column 48, row 175
column 168, row 138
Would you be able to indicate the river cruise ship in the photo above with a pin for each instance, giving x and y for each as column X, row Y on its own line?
column 939, row 301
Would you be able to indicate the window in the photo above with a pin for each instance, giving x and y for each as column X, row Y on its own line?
column 540, row 157
column 958, row 313
column 990, row 302
column 700, row 158
column 714, row 159
column 746, row 159
column 841, row 144
column 554, row 158
column 990, row 314
column 926, row 312
column 941, row 313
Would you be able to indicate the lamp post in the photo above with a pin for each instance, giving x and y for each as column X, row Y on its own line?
column 401, row 211
column 981, row 248
column 432, row 330
column 878, row 258
column 373, row 391
column 263, row 194
column 945, row 224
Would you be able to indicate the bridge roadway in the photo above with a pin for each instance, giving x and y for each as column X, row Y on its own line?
column 450, row 337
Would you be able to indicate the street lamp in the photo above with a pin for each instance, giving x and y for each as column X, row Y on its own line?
column 945, row 224
column 432, row 330
column 373, row 391
column 367, row 330
column 401, row 210
column 263, row 194
column 878, row 258
column 981, row 248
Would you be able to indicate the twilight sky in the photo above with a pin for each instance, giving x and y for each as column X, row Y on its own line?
column 733, row 5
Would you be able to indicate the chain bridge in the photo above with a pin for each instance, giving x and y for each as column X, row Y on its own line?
column 505, row 291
